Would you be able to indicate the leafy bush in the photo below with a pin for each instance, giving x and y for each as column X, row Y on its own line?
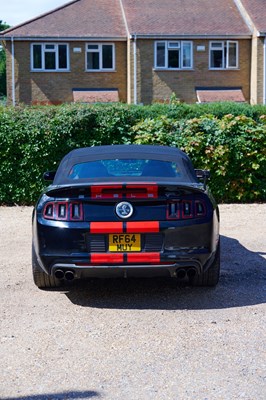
column 232, row 146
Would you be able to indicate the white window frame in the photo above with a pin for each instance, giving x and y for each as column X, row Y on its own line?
column 167, row 46
column 56, row 51
column 100, row 51
column 225, row 45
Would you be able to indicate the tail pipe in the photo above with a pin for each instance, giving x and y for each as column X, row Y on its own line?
column 67, row 275
column 59, row 274
column 186, row 273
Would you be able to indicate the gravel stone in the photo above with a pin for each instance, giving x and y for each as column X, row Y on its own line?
column 136, row 339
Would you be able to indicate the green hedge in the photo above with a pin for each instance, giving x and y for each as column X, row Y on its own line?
column 228, row 139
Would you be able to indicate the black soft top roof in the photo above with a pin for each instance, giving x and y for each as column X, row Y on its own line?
column 123, row 149
column 87, row 154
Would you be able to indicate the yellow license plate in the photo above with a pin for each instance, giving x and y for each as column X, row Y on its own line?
column 124, row 242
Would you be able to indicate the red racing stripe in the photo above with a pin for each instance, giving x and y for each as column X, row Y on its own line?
column 107, row 258
column 143, row 258
column 142, row 227
column 106, row 227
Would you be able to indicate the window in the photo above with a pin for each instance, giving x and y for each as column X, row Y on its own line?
column 100, row 57
column 173, row 55
column 119, row 168
column 224, row 55
column 49, row 57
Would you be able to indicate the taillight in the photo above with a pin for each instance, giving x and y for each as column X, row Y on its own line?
column 63, row 211
column 185, row 209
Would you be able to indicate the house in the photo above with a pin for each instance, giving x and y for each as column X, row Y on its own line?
column 139, row 51
column 254, row 13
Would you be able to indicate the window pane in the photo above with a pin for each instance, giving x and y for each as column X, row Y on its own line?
column 107, row 56
column 186, row 56
column 174, row 45
column 93, row 61
column 49, row 47
column 217, row 45
column 216, row 59
column 37, row 56
column 50, row 60
column 173, row 59
column 62, row 50
column 160, row 61
column 93, row 47
column 232, row 55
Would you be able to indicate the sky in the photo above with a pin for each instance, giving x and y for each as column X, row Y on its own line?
column 14, row 12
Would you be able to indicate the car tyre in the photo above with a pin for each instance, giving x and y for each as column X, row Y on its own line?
column 212, row 275
column 40, row 278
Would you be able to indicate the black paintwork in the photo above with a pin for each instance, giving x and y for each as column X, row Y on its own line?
column 184, row 242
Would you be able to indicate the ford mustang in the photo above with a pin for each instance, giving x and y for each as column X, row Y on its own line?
column 124, row 211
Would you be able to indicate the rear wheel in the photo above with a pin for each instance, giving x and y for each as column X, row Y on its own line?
column 40, row 278
column 212, row 275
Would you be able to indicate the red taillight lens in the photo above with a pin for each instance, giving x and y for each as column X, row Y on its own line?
column 76, row 212
column 63, row 211
column 185, row 209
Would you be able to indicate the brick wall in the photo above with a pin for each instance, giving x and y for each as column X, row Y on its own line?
column 260, row 69
column 56, row 87
column 155, row 85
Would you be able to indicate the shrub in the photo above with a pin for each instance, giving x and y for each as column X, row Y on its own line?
column 232, row 146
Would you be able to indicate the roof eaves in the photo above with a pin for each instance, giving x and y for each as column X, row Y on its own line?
column 65, row 38
column 190, row 36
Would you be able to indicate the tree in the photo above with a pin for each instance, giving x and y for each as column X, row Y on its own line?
column 3, row 26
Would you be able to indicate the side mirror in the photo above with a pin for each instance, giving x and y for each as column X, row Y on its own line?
column 203, row 175
column 49, row 176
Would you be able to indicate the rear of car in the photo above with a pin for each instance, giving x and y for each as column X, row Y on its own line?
column 122, row 211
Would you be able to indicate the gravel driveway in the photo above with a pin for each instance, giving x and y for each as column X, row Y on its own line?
column 136, row 339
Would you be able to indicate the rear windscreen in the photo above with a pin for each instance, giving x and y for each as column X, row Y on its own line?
column 118, row 168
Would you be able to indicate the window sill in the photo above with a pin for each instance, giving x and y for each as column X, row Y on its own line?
column 100, row 70
column 50, row 70
column 173, row 69
column 224, row 69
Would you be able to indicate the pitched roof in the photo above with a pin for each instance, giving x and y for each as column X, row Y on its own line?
column 189, row 17
column 77, row 19
column 105, row 19
column 257, row 12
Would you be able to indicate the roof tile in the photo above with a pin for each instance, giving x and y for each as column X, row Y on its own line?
column 189, row 17
column 257, row 12
column 79, row 18
column 208, row 95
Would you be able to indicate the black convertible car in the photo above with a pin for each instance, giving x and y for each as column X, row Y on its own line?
column 126, row 210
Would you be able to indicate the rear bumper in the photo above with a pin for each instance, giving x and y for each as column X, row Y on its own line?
column 174, row 247
column 80, row 267
column 181, row 270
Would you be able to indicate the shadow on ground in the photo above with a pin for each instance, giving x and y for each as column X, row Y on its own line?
column 79, row 395
column 242, row 283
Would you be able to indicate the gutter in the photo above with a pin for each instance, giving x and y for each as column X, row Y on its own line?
column 65, row 38
column 264, row 71
column 13, row 71
column 124, row 38
column 135, row 69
